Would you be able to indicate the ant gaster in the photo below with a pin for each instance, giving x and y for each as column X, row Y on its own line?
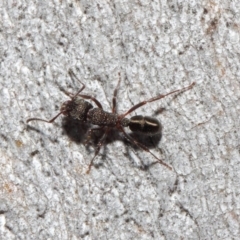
column 78, row 108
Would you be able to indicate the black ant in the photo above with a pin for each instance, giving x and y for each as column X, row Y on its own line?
column 79, row 109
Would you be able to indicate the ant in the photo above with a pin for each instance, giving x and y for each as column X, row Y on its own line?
column 79, row 109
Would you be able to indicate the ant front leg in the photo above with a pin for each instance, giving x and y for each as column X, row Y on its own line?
column 93, row 99
column 43, row 120
column 73, row 75
column 72, row 96
column 155, row 99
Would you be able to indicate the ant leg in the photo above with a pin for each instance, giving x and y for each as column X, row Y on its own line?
column 69, row 94
column 93, row 99
column 72, row 96
column 73, row 75
column 114, row 101
column 155, row 99
column 99, row 145
column 43, row 120
column 131, row 139
column 89, row 134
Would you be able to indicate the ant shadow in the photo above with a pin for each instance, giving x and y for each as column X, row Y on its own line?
column 151, row 142
column 75, row 129
column 78, row 132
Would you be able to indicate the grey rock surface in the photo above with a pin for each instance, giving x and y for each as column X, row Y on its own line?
column 157, row 47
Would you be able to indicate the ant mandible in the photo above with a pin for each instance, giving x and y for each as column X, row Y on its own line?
column 79, row 109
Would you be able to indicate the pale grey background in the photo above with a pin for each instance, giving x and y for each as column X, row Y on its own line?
column 157, row 46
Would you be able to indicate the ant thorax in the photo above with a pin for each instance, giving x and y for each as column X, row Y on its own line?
column 97, row 116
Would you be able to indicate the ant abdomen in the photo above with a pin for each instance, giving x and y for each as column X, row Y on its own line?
column 145, row 125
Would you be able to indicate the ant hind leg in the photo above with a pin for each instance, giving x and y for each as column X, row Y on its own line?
column 138, row 105
column 140, row 145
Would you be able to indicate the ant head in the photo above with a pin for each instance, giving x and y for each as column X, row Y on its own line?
column 76, row 108
column 66, row 107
